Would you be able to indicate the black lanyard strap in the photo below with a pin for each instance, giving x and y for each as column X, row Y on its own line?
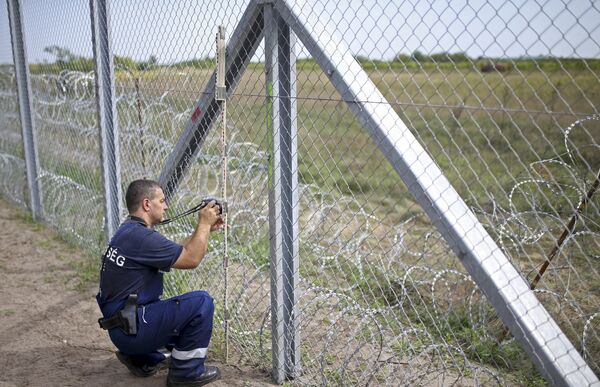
column 194, row 209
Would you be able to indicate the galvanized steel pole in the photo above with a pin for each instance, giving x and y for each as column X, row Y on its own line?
column 107, row 119
column 283, row 195
column 15, row 15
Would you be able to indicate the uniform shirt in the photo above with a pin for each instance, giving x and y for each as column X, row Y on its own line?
column 134, row 262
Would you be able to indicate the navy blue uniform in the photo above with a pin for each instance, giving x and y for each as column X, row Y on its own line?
column 134, row 262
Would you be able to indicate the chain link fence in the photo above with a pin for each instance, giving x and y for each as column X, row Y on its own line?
column 13, row 177
column 503, row 97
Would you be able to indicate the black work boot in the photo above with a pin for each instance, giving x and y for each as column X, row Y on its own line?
column 211, row 373
column 140, row 371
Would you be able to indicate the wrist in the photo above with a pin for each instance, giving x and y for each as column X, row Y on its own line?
column 203, row 227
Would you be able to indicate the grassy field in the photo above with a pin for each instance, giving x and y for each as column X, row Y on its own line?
column 483, row 130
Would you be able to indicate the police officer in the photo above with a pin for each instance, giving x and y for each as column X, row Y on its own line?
column 131, row 282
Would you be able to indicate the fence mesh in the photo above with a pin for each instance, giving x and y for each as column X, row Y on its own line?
column 64, row 114
column 503, row 97
column 13, row 179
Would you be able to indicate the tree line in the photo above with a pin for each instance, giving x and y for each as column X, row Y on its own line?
column 64, row 59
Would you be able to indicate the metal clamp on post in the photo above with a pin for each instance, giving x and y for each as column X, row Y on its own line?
column 220, row 90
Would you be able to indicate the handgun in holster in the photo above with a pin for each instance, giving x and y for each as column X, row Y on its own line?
column 126, row 318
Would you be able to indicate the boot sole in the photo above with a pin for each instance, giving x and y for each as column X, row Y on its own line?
column 191, row 383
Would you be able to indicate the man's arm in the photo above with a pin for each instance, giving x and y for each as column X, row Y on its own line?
column 195, row 247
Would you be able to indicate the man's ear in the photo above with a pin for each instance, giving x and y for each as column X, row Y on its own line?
column 146, row 204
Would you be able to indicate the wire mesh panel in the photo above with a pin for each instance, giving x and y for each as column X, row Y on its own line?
column 503, row 97
column 61, row 73
column 13, row 177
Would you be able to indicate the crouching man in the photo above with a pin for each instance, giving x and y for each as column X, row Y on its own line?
column 131, row 281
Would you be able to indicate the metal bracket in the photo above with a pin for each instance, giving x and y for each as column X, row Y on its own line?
column 220, row 90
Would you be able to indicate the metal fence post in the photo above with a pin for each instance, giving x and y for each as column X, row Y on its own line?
column 283, row 194
column 15, row 15
column 107, row 120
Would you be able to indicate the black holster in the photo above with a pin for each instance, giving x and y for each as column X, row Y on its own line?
column 126, row 318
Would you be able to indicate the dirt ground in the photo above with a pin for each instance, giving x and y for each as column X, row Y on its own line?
column 49, row 334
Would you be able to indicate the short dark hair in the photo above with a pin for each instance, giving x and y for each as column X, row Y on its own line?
column 137, row 191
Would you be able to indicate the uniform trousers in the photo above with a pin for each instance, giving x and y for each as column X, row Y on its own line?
column 182, row 323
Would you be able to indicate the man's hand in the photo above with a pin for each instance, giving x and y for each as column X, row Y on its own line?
column 209, row 215
column 195, row 247
column 219, row 224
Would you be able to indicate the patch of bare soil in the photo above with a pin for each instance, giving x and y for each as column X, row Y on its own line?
column 49, row 333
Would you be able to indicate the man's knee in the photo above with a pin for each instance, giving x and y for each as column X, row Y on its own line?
column 204, row 308
column 195, row 294
column 202, row 302
column 208, row 306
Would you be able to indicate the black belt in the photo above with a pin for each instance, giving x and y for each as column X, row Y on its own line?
column 126, row 318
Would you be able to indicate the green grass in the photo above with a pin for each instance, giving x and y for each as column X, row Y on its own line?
column 479, row 344
column 257, row 251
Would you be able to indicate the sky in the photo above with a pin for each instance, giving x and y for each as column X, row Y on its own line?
column 185, row 29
